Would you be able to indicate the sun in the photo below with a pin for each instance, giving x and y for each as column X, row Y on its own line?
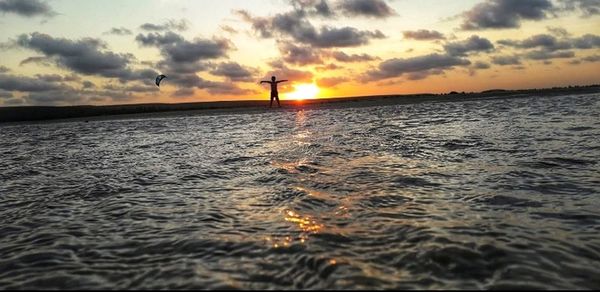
column 304, row 91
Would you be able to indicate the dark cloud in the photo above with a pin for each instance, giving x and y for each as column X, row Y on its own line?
column 14, row 101
column 328, row 67
column 261, row 25
column 72, row 78
column 591, row 59
column 506, row 60
column 424, row 35
column 88, row 84
column 300, row 55
column 545, row 55
column 423, row 74
column 139, row 88
column 329, row 82
column 27, row 84
column 229, row 89
column 183, row 67
column 281, row 71
column 558, row 31
column 180, row 25
column 4, row 69
column 177, row 49
column 295, row 25
column 587, row 7
column 5, row 94
column 587, row 41
column 86, row 56
column 184, row 92
column 197, row 50
column 481, row 65
column 313, row 7
column 157, row 39
column 545, row 47
column 119, row 31
column 50, row 77
column 472, row 44
column 39, row 60
column 343, row 57
column 545, row 41
column 428, row 64
column 499, row 14
column 369, row 8
column 235, row 72
column 27, row 8
column 191, row 81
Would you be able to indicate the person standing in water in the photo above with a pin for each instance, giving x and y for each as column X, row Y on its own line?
column 274, row 93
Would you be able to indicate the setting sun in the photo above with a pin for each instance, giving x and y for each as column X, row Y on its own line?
column 304, row 91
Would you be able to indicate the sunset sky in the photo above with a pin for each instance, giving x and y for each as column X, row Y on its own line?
column 70, row 52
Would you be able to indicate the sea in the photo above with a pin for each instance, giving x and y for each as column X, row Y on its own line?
column 484, row 194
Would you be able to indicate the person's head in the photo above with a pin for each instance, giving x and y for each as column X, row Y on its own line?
column 273, row 78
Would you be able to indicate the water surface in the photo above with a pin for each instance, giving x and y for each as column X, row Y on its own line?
column 478, row 194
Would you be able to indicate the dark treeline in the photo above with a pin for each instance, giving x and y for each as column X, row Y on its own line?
column 39, row 113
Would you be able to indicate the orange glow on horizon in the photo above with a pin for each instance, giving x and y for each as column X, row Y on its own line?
column 304, row 91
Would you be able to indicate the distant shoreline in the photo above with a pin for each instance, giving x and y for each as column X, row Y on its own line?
column 45, row 113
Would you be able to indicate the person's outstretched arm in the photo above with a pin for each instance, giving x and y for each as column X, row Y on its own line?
column 264, row 82
column 282, row 81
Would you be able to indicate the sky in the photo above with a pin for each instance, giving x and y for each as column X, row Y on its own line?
column 73, row 52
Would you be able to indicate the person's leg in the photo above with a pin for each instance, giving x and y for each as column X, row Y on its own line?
column 278, row 104
column 271, row 104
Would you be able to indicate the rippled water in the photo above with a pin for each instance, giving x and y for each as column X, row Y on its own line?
column 479, row 194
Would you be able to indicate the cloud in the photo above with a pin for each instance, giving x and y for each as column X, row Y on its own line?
column 587, row 41
column 472, row 44
column 50, row 77
column 545, row 41
column 4, row 69
column 328, row 67
column 424, row 35
column 184, row 92
column 299, row 55
column 5, row 94
column 558, row 31
column 545, row 55
column 87, row 56
column 481, row 65
column 295, row 26
column 229, row 29
column 330, row 82
column 428, row 64
column 313, row 7
column 544, row 46
column 27, row 84
column 343, row 57
column 281, row 71
column 27, row 8
column 40, row 60
column 586, row 7
column 177, row 49
column 119, row 31
column 13, row 101
column 88, row 84
column 506, row 60
column 179, row 25
column 594, row 58
column 368, row 8
column 501, row 14
column 235, row 72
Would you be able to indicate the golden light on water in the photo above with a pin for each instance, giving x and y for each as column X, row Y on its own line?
column 304, row 91
column 305, row 223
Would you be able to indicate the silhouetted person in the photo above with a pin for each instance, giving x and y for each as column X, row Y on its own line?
column 274, row 93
